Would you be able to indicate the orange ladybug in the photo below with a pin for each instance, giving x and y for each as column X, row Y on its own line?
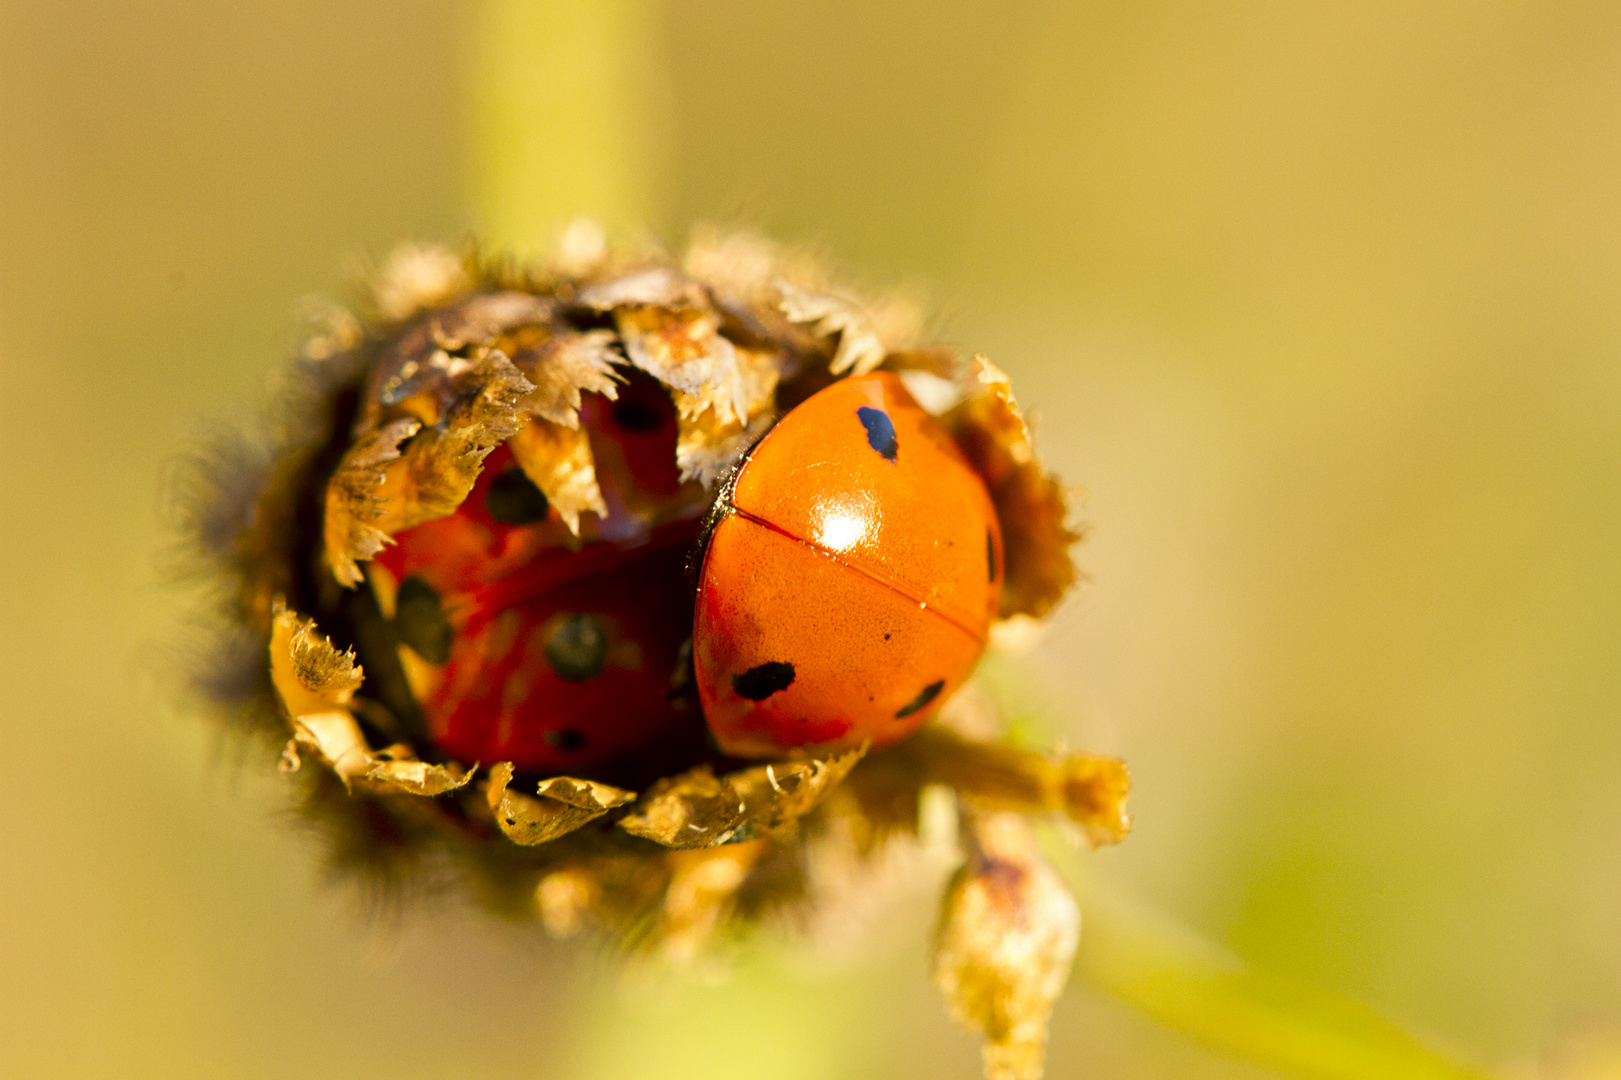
column 851, row 569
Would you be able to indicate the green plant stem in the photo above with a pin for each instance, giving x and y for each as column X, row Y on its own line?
column 563, row 119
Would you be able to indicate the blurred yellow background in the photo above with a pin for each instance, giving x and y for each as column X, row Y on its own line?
column 1322, row 305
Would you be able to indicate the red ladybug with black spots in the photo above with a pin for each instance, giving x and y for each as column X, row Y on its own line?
column 846, row 578
column 850, row 574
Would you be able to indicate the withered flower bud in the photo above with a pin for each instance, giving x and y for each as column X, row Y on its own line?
column 459, row 569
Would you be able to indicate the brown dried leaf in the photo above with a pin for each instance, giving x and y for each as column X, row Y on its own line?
column 1032, row 506
column 696, row 809
column 310, row 675
column 561, row 805
column 741, row 271
column 558, row 460
column 1087, row 789
column 480, row 319
column 653, row 286
column 716, row 425
column 747, row 387
column 440, row 465
column 315, row 683
column 1007, row 938
column 397, row 770
column 562, row 367
column 683, row 349
column 860, row 348
column 705, row 451
column 354, row 500
column 778, row 794
column 430, row 365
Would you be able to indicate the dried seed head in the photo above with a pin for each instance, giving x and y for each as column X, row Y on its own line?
column 476, row 435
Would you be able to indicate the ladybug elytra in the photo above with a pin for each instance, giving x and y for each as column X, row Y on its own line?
column 852, row 569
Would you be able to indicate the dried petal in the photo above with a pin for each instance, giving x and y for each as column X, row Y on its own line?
column 860, row 348
column 562, row 367
column 683, row 349
column 440, row 465
column 429, row 367
column 480, row 319
column 1007, row 938
column 558, row 460
column 937, row 394
column 778, row 794
column 718, row 424
column 315, row 683
column 396, row 769
column 742, row 272
column 310, row 674
column 705, row 450
column 696, row 809
column 354, row 502
column 654, row 286
column 1031, row 505
column 1087, row 789
column 562, row 804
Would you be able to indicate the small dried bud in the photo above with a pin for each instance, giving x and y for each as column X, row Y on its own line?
column 1007, row 938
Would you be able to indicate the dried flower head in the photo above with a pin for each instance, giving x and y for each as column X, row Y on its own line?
column 592, row 407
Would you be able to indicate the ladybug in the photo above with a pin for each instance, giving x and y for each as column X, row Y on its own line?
column 851, row 569
column 520, row 642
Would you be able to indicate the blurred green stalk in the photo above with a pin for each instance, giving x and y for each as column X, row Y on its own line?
column 564, row 108
column 1187, row 983
column 564, row 120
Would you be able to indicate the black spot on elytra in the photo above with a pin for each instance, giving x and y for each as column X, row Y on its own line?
column 513, row 499
column 880, row 431
column 419, row 621
column 926, row 695
column 577, row 647
column 759, row 683
column 990, row 553
column 565, row 738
